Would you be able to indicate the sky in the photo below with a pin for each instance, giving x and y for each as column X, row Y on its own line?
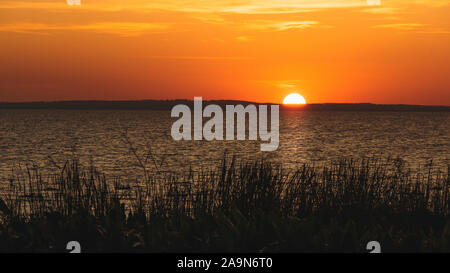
column 341, row 51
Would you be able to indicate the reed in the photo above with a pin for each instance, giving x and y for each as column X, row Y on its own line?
column 240, row 206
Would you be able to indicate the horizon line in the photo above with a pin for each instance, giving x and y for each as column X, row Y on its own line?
column 210, row 100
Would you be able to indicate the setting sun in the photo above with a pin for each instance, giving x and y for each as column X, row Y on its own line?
column 294, row 98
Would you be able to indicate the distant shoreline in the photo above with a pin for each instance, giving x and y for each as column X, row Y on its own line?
column 168, row 104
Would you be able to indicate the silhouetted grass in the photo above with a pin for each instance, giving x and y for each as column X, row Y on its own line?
column 239, row 207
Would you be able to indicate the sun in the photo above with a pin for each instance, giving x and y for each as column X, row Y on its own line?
column 294, row 98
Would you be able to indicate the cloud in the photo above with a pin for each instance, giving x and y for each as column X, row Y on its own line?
column 404, row 26
column 216, row 6
column 198, row 6
column 229, row 58
column 381, row 10
column 258, row 25
column 265, row 9
column 296, row 25
column 263, row 15
column 289, row 6
column 280, row 25
column 117, row 28
column 283, row 84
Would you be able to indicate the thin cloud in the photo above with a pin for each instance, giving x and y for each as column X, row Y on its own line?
column 381, row 10
column 208, row 6
column 404, row 26
column 296, row 25
column 280, row 26
column 290, row 6
column 195, row 57
column 117, row 28
column 283, row 84
column 199, row 6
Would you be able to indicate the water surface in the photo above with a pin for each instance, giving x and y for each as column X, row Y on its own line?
column 47, row 138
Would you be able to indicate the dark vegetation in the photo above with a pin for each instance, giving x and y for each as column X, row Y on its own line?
column 240, row 207
column 169, row 104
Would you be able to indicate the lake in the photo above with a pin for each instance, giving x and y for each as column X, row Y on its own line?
column 47, row 138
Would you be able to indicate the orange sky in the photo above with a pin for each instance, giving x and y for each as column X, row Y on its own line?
column 260, row 50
